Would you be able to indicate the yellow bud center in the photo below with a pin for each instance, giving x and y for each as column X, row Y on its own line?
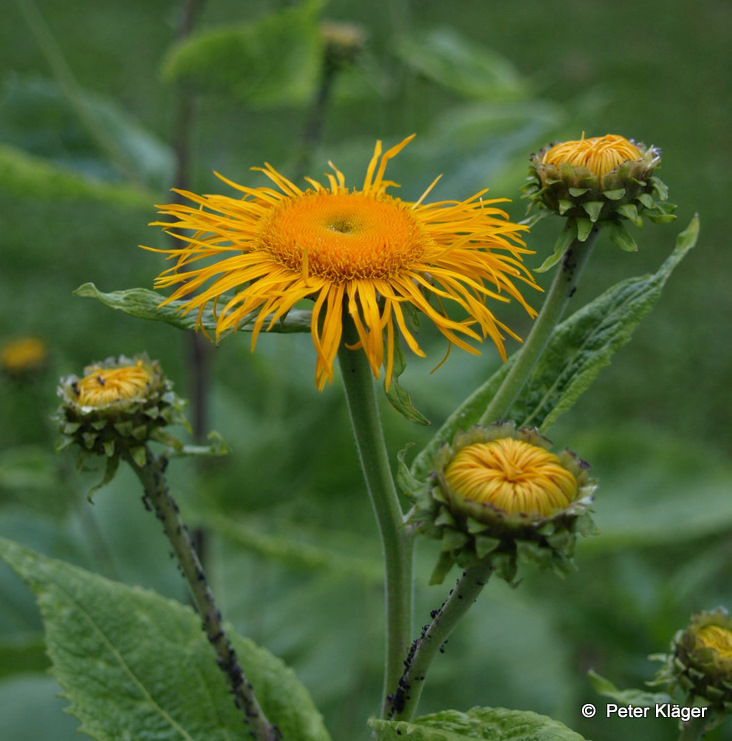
column 717, row 638
column 512, row 475
column 101, row 386
column 600, row 155
column 343, row 236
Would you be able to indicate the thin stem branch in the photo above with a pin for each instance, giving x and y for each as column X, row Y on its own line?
column 433, row 638
column 315, row 118
column 73, row 91
column 158, row 496
column 397, row 540
column 562, row 289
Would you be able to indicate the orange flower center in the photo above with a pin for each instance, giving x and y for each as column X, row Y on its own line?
column 343, row 236
column 717, row 638
column 101, row 386
column 512, row 475
column 600, row 155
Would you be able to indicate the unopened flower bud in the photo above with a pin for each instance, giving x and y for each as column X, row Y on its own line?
column 700, row 661
column 606, row 179
column 501, row 494
column 116, row 407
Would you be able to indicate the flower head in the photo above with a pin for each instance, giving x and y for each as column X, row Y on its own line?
column 356, row 250
column 343, row 43
column 23, row 356
column 700, row 661
column 600, row 154
column 603, row 179
column 115, row 408
column 501, row 494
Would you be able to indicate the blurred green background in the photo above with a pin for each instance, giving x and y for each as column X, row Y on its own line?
column 483, row 85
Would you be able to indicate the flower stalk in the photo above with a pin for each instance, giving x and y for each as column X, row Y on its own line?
column 694, row 729
column 403, row 703
column 157, row 496
column 562, row 289
column 397, row 540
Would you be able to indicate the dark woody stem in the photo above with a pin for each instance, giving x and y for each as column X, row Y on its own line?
column 157, row 496
column 432, row 640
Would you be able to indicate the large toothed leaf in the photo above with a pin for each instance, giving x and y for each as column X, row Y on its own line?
column 490, row 724
column 578, row 349
column 134, row 665
column 145, row 304
column 272, row 61
column 585, row 343
column 454, row 61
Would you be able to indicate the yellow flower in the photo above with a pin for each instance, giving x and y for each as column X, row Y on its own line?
column 24, row 355
column 512, row 475
column 600, row 154
column 101, row 386
column 355, row 250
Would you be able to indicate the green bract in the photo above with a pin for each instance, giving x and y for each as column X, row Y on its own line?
column 471, row 530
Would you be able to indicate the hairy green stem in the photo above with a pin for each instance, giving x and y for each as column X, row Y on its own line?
column 397, row 540
column 562, row 288
column 157, row 496
column 693, row 729
column 433, row 637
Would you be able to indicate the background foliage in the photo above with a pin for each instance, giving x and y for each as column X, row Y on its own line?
column 482, row 85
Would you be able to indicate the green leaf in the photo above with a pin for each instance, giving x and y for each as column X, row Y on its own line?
column 22, row 657
column 272, row 62
column 454, row 61
column 565, row 238
column 82, row 131
column 491, row 724
column 397, row 396
column 135, row 665
column 145, row 304
column 640, row 698
column 24, row 175
column 578, row 349
column 584, row 344
column 621, row 238
column 279, row 541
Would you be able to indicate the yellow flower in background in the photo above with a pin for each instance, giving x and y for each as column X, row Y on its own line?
column 600, row 154
column 356, row 250
column 101, row 386
column 23, row 355
column 512, row 475
column 699, row 661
